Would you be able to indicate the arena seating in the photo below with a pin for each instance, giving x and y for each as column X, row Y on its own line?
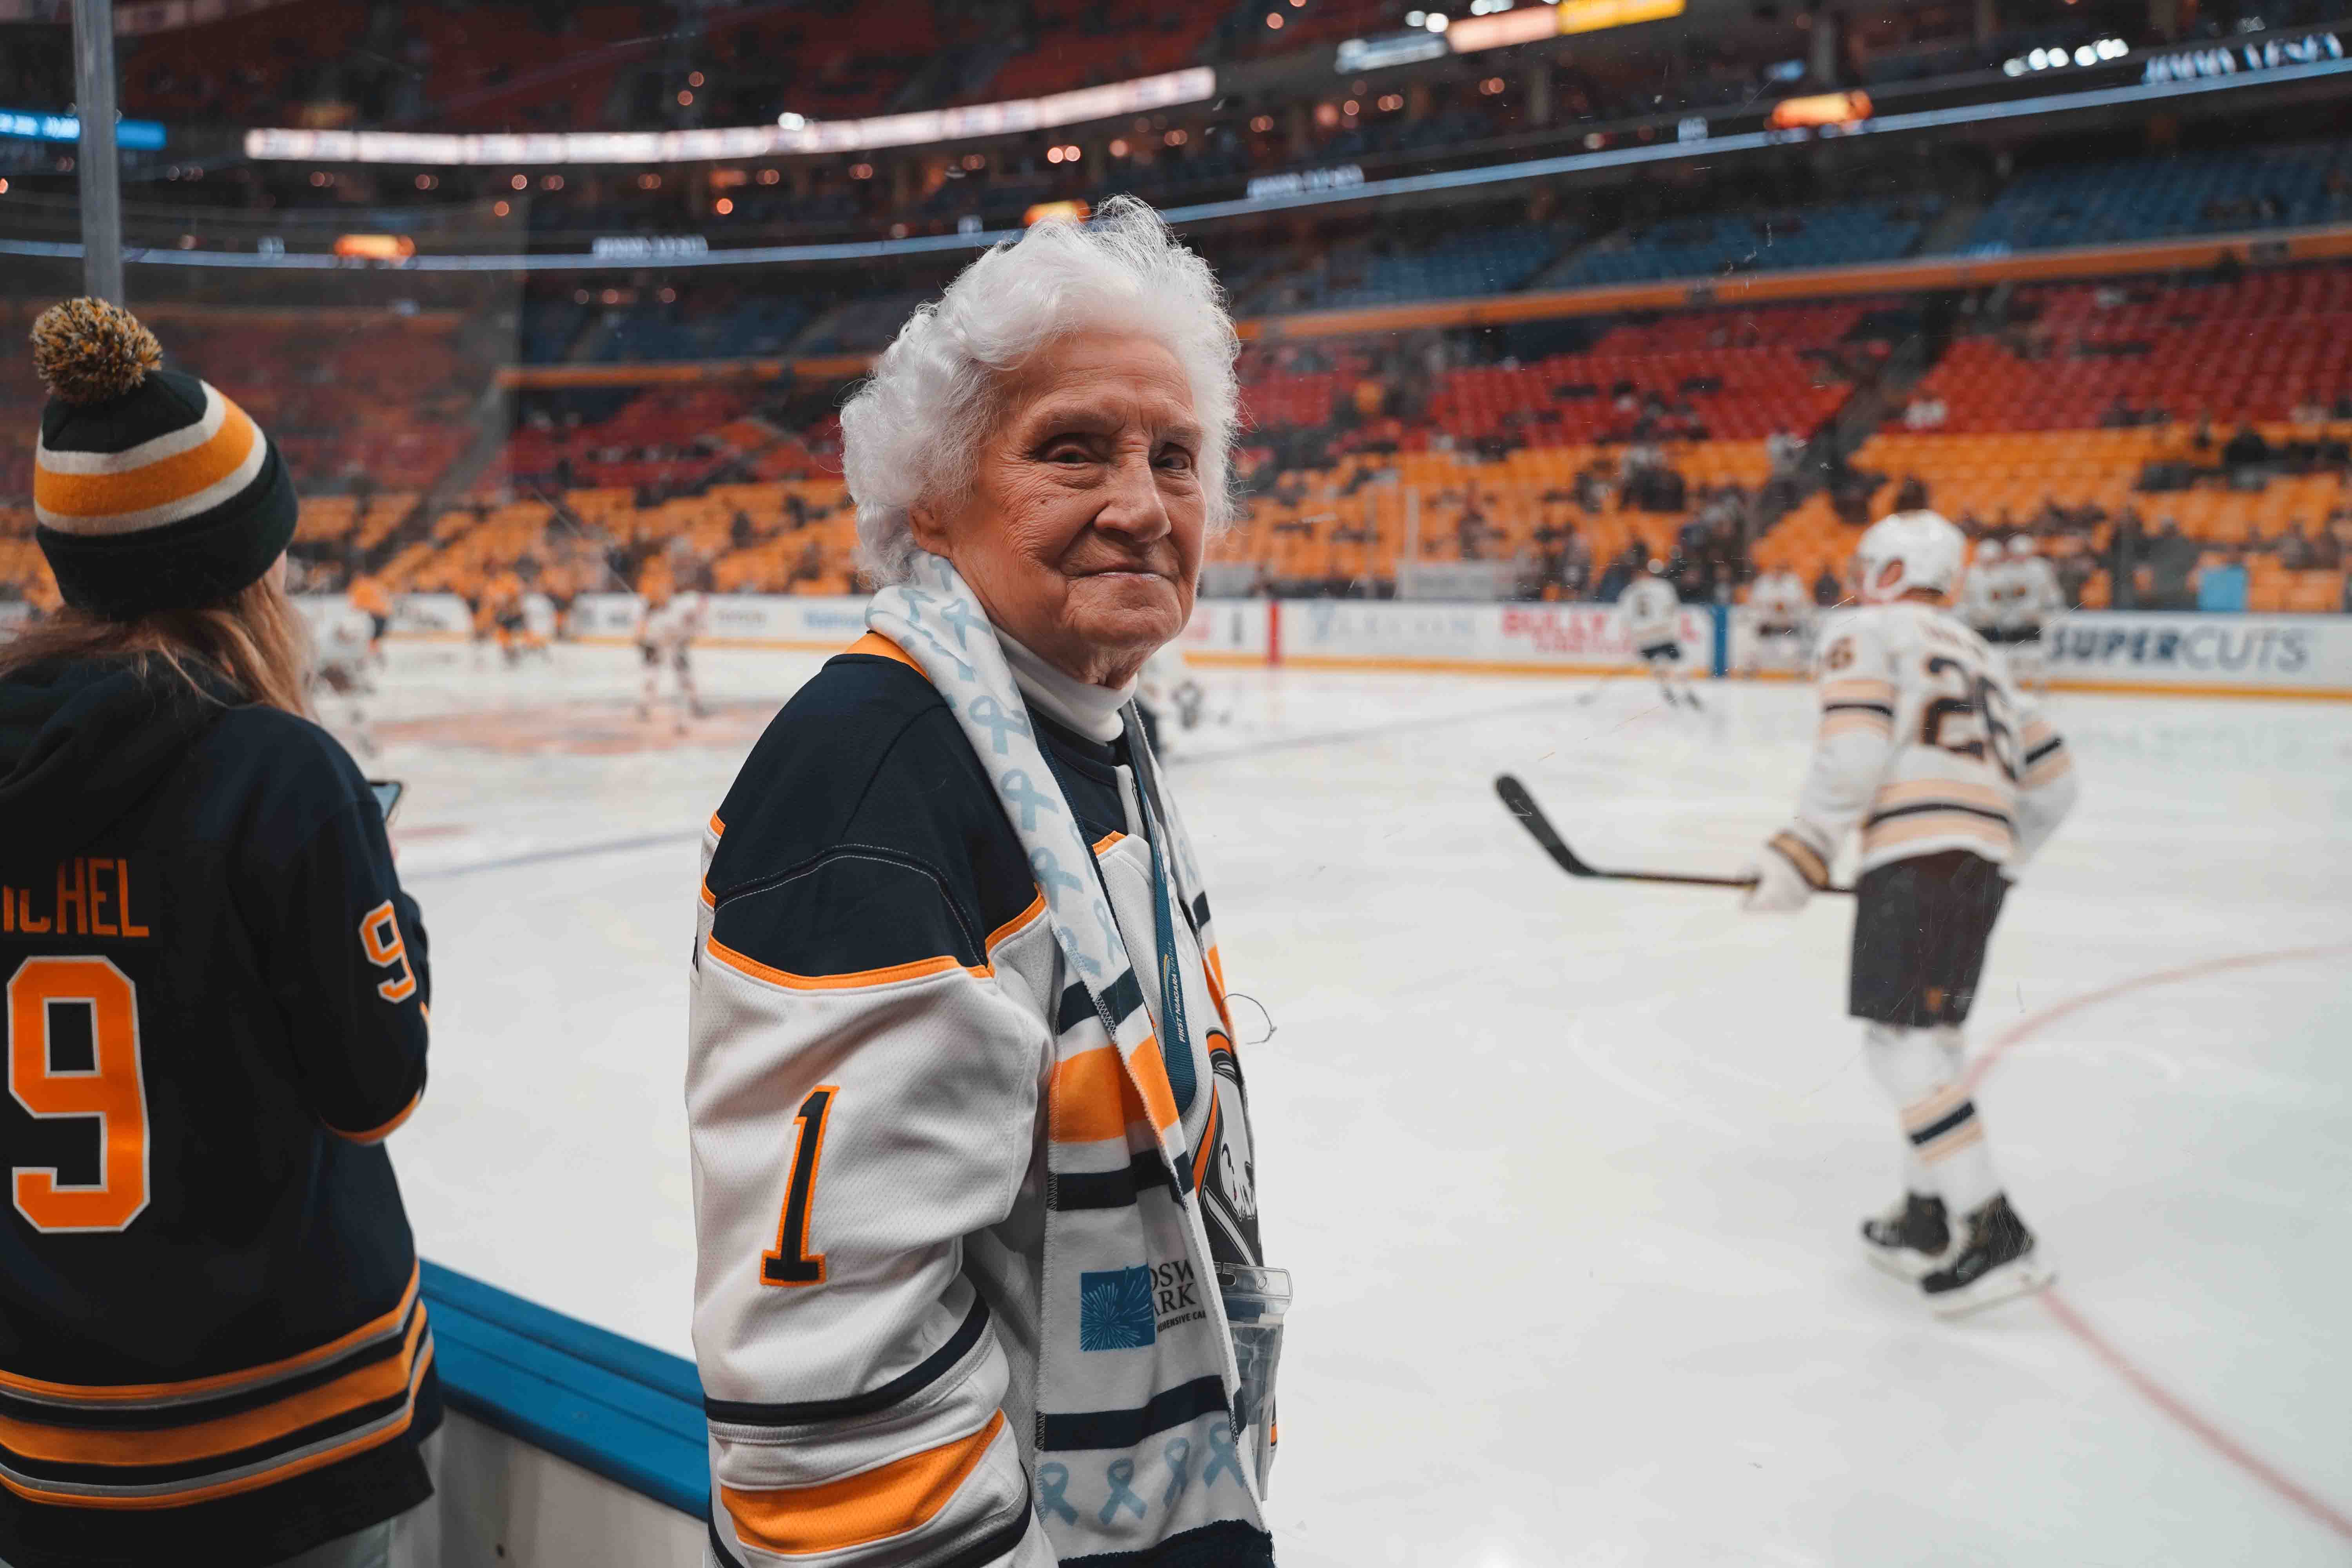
column 2147, row 198
column 2245, row 349
column 1825, row 236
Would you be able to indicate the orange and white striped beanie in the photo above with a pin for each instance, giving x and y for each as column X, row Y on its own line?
column 151, row 490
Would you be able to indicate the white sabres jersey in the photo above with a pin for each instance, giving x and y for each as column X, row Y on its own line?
column 1778, row 599
column 1978, row 601
column 1926, row 745
column 1650, row 610
column 2028, row 592
column 674, row 624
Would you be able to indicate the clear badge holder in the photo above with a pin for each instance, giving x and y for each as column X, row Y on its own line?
column 1256, row 1301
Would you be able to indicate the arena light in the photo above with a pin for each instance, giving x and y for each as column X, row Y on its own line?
column 790, row 133
column 1075, row 211
column 1820, row 109
column 374, row 247
column 1593, row 16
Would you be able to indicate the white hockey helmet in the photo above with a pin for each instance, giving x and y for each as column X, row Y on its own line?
column 1989, row 549
column 1906, row 551
column 2021, row 545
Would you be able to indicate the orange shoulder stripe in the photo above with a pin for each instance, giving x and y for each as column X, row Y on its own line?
column 1017, row 924
column 378, row 1134
column 914, row 970
column 856, row 1511
column 880, row 647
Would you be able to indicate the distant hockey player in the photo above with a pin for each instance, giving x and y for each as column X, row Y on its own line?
column 1651, row 612
column 1165, row 691
column 2029, row 595
column 343, row 661
column 665, row 634
column 1780, row 607
column 1955, row 782
column 1979, row 600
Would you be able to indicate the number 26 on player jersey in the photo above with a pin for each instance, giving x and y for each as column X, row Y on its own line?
column 51, row 1076
column 1967, row 716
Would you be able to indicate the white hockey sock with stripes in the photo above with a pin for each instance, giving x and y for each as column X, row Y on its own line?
column 1920, row 1071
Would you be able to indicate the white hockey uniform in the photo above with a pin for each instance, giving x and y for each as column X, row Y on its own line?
column 1978, row 601
column 2028, row 594
column 1924, row 744
column 1780, row 608
column 1651, row 612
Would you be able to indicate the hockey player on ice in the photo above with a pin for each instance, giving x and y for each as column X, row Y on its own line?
column 1780, row 605
column 1955, row 782
column 1979, row 600
column 1167, row 689
column 1650, row 613
column 2028, row 594
column 341, row 661
column 665, row 634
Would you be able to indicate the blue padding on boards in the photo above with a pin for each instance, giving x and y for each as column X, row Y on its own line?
column 623, row 1410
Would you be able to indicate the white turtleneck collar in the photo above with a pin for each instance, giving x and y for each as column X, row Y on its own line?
column 1091, row 711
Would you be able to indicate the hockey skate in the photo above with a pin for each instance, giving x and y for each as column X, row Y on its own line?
column 1998, row 1261
column 1911, row 1240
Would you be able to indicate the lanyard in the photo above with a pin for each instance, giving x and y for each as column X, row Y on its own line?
column 1175, row 1026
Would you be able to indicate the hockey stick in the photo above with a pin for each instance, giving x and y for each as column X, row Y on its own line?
column 1521, row 804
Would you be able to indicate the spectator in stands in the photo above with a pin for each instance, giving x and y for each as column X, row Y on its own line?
column 2308, row 410
column 2327, row 550
column 1911, row 495
column 1620, row 571
column 2293, row 548
column 1827, row 590
column 904, row 901
column 2246, row 448
column 2171, row 564
column 2222, row 586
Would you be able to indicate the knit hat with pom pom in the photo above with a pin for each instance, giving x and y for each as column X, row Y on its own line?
column 153, row 492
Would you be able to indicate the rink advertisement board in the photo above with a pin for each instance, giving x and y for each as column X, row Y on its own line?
column 1531, row 638
column 2291, row 655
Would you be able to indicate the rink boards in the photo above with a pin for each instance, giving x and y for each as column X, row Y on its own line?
column 2124, row 651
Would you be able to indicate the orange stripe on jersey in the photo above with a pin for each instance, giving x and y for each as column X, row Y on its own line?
column 873, row 1505
column 880, row 647
column 1937, row 792
column 709, row 901
column 893, row 973
column 224, row 1436
column 1107, row 840
column 1937, row 825
column 1965, row 1134
column 718, row 828
column 1852, row 719
column 1017, row 924
column 2056, row 766
column 332, row 1454
column 1858, row 690
column 140, row 1393
column 378, row 1134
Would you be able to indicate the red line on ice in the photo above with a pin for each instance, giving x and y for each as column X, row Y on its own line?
column 2073, row 1322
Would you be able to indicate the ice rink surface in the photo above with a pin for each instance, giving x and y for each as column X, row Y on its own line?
column 1566, row 1174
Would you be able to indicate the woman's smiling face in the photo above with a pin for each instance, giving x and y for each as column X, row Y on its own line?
column 1081, row 529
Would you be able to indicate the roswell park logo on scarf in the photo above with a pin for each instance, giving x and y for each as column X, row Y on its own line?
column 1128, row 1308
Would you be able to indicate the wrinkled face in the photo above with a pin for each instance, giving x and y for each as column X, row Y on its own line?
column 1082, row 530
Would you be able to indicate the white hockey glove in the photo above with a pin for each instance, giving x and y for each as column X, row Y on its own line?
column 1788, row 871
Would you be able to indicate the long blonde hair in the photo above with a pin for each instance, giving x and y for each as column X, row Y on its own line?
column 255, row 638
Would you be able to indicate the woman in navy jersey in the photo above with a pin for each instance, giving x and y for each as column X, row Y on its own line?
column 211, row 1348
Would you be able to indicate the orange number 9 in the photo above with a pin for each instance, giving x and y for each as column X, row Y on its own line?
column 111, row 1089
column 380, row 935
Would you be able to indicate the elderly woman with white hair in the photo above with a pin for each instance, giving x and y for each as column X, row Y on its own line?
column 981, row 1280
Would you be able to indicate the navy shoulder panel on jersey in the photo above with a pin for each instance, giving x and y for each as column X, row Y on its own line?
column 863, row 834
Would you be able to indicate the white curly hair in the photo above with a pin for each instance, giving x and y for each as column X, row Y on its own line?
column 913, row 429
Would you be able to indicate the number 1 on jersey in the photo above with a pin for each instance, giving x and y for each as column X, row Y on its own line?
column 791, row 1262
